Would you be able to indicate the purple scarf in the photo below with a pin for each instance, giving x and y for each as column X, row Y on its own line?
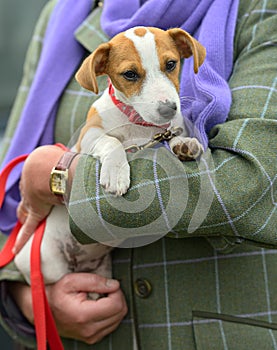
column 205, row 97
column 60, row 57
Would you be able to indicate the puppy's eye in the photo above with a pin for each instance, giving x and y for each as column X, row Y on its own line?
column 130, row 75
column 170, row 65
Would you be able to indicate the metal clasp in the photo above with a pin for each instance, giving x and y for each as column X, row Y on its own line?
column 167, row 135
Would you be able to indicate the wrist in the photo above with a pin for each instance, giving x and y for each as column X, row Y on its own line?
column 36, row 174
column 61, row 176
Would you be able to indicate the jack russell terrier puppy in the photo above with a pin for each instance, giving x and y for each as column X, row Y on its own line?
column 142, row 100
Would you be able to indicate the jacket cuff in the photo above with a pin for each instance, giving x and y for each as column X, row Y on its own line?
column 12, row 319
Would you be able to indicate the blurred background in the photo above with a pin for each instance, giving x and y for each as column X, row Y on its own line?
column 17, row 21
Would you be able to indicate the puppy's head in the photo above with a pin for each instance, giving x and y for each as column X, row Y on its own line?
column 143, row 64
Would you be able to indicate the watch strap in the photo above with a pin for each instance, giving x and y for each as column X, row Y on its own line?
column 66, row 160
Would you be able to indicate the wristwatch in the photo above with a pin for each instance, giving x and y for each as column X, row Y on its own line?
column 59, row 174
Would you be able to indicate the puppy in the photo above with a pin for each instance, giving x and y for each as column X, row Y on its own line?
column 142, row 100
column 143, row 67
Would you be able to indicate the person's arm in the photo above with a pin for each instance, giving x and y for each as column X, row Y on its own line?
column 226, row 195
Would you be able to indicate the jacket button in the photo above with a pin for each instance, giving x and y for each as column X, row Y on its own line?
column 142, row 288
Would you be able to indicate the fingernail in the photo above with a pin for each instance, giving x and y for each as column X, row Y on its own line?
column 110, row 283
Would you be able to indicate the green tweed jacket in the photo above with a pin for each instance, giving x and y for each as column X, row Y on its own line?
column 208, row 281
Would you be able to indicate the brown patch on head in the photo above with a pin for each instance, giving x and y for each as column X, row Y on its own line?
column 140, row 31
column 167, row 51
column 124, row 57
column 113, row 58
column 188, row 46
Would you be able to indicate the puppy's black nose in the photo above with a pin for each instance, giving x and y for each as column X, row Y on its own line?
column 167, row 109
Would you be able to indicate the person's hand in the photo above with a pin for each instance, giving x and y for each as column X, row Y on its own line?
column 36, row 197
column 86, row 320
column 77, row 317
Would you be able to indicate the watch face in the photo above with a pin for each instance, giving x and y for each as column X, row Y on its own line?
column 58, row 182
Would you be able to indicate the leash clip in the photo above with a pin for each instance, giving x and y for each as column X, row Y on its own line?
column 167, row 135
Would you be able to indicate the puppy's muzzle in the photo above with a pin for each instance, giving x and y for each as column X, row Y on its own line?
column 167, row 109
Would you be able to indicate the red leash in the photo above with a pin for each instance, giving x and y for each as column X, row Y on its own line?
column 43, row 319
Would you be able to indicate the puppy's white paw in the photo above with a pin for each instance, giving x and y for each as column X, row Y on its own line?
column 186, row 148
column 115, row 176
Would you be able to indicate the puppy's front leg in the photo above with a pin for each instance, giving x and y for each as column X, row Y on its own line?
column 115, row 171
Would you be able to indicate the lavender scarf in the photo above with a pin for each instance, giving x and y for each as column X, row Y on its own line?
column 205, row 97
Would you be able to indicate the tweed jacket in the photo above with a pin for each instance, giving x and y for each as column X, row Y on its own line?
column 208, row 281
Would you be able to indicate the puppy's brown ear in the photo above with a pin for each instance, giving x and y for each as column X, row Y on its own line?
column 188, row 46
column 93, row 65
